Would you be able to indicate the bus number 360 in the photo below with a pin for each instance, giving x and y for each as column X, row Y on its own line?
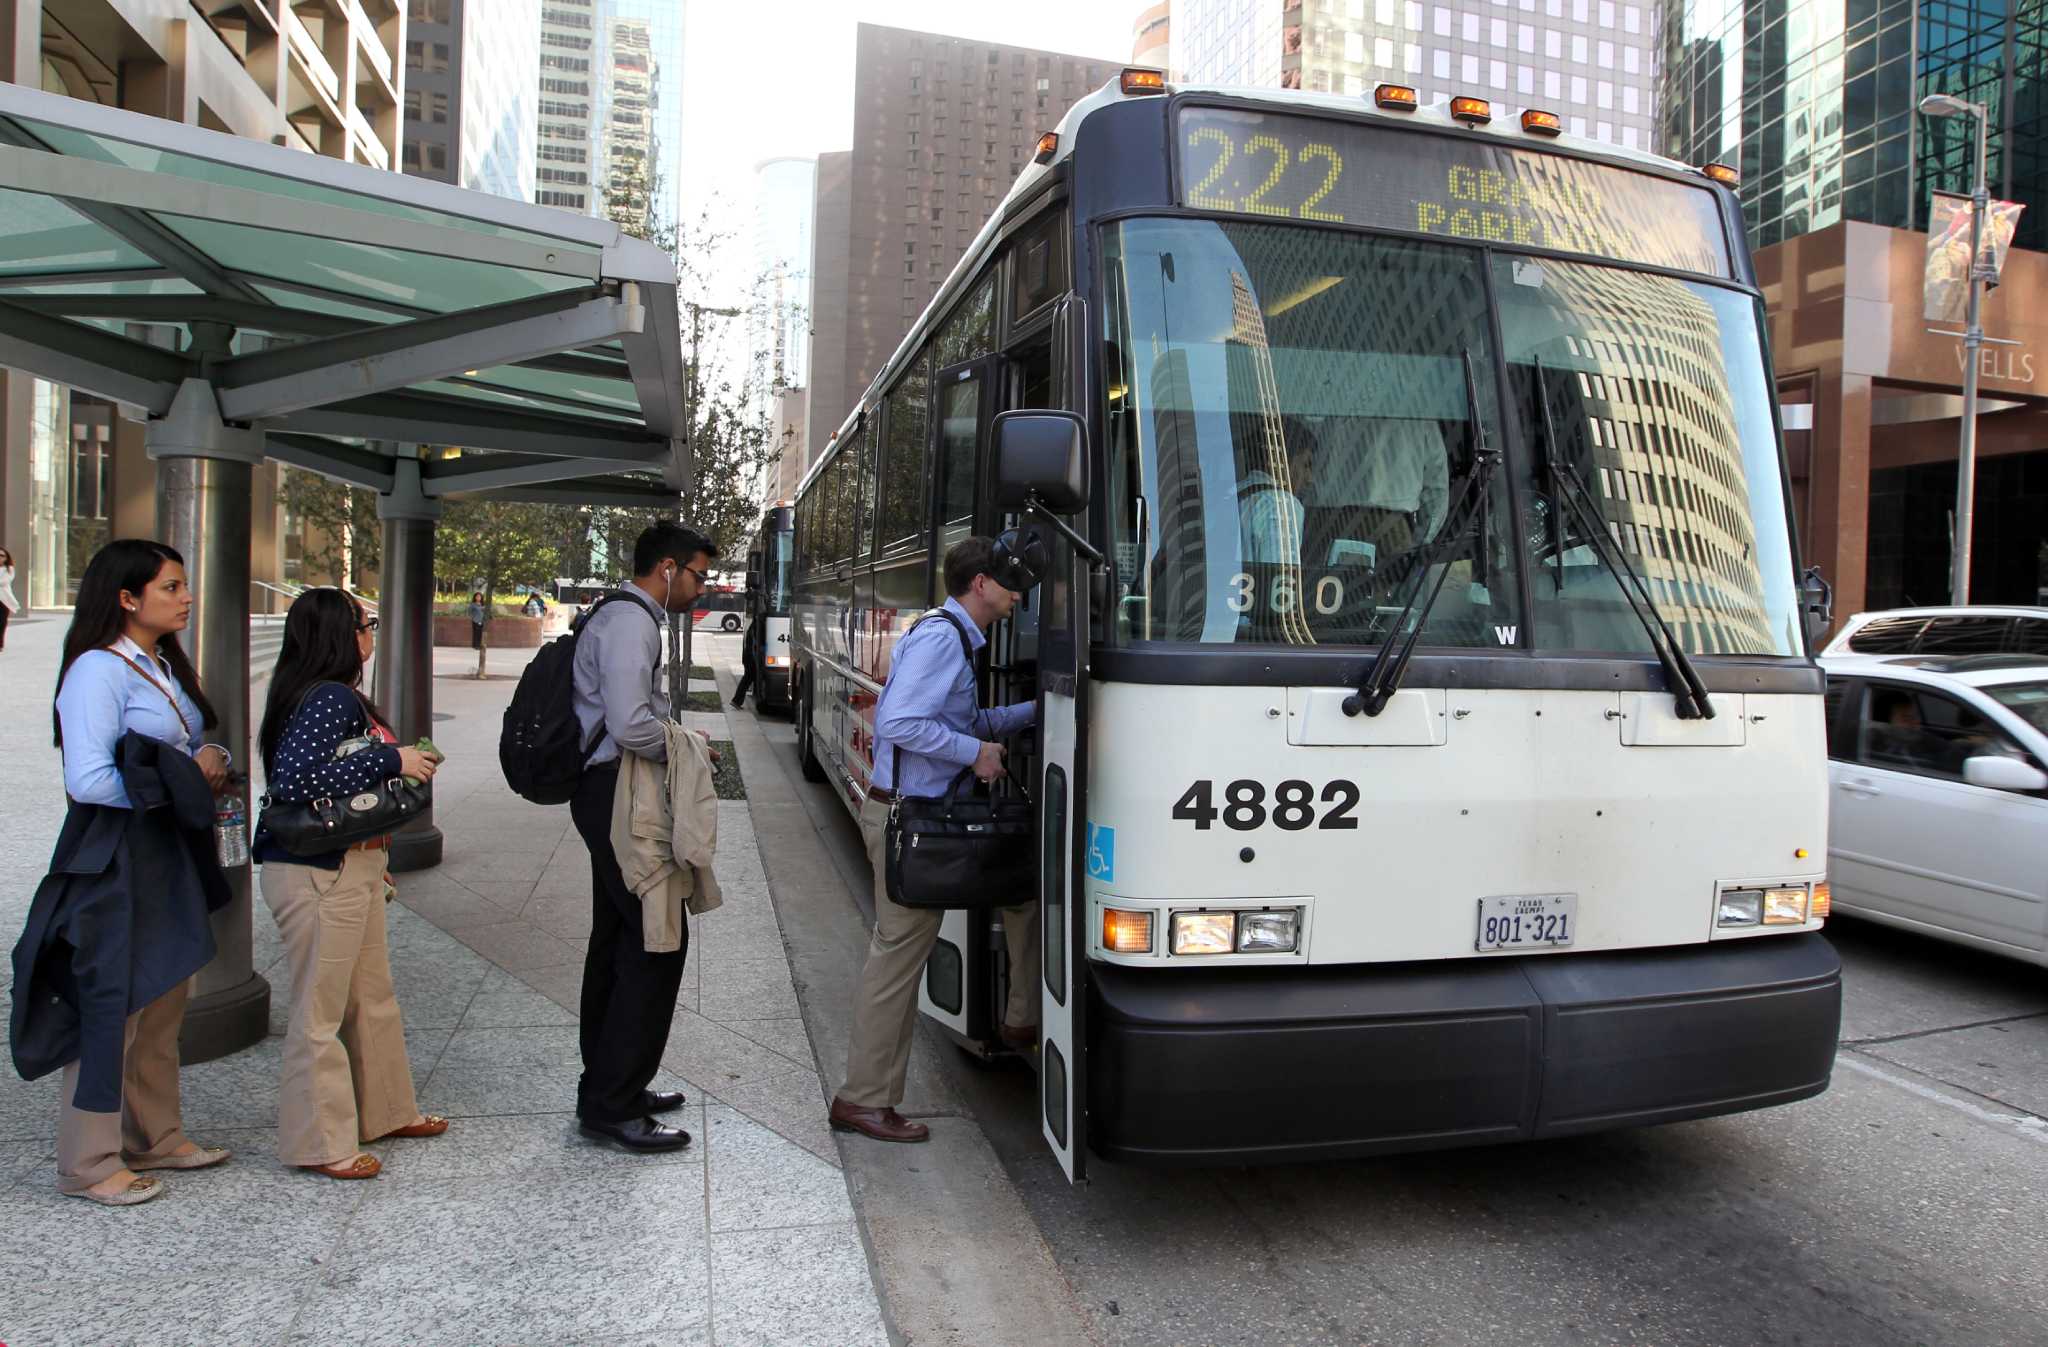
column 1245, row 807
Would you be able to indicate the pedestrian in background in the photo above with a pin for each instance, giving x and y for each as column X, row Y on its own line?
column 929, row 711
column 478, row 616
column 347, row 1079
column 9, row 605
column 629, row 992
column 104, row 970
column 749, row 666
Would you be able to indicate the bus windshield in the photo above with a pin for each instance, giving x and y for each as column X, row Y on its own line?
column 1292, row 406
column 778, row 578
column 1290, row 422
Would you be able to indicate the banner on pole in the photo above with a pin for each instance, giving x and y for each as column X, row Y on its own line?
column 1948, row 252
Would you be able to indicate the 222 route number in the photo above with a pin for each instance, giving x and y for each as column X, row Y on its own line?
column 1290, row 806
column 1267, row 158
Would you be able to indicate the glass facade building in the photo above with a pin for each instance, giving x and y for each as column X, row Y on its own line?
column 471, row 95
column 1814, row 101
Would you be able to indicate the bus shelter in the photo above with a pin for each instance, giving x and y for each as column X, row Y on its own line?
column 248, row 302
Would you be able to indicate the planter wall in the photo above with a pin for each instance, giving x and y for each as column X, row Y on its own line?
column 505, row 633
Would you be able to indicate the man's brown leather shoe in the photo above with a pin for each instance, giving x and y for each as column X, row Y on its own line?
column 883, row 1124
column 1019, row 1037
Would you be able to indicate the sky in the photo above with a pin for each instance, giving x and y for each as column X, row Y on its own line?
column 763, row 78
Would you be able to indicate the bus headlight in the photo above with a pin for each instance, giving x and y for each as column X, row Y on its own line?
column 1740, row 907
column 1785, row 907
column 1268, row 932
column 1204, row 932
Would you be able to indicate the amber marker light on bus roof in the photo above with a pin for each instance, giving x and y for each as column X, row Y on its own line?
column 1398, row 97
column 1047, row 143
column 1542, row 123
column 1144, row 82
column 1723, row 174
column 1126, row 932
column 1471, row 111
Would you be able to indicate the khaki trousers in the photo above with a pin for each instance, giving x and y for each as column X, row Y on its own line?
column 885, row 1004
column 346, row 1076
column 93, row 1147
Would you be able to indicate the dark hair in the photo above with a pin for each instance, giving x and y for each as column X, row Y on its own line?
column 319, row 647
column 6, row 557
column 97, row 621
column 476, row 596
column 668, row 541
column 966, row 559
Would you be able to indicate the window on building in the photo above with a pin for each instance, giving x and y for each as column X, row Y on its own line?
column 1553, row 44
column 1441, row 63
column 1553, row 84
column 1579, row 52
column 1469, row 69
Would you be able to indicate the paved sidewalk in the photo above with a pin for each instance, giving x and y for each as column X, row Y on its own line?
column 512, row 1228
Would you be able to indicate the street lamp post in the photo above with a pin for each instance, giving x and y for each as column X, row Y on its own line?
column 1947, row 105
column 681, row 629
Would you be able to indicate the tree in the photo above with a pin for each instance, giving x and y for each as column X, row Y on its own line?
column 484, row 544
column 339, row 530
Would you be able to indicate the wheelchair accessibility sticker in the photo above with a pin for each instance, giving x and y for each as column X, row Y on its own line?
column 1101, row 853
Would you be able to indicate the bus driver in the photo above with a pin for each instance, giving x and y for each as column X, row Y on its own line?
column 928, row 711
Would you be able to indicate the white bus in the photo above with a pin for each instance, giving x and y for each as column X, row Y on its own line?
column 1429, row 748
column 768, row 604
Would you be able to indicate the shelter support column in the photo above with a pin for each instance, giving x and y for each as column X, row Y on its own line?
column 1840, row 483
column 405, row 638
column 203, row 472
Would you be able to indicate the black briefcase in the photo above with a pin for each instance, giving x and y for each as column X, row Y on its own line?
column 965, row 849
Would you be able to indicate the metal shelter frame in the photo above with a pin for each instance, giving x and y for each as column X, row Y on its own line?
column 249, row 302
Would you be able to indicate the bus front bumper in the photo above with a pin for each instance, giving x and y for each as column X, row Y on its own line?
column 1236, row 1066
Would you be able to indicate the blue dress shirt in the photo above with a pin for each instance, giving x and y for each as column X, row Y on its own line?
column 929, row 709
column 617, row 653
column 103, row 697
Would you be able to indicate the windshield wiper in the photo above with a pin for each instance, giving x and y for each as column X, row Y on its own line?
column 1688, row 693
column 1382, row 678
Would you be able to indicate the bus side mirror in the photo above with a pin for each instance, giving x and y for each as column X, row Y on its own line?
column 1816, row 604
column 1041, row 456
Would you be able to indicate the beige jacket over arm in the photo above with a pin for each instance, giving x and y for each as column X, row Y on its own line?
column 665, row 831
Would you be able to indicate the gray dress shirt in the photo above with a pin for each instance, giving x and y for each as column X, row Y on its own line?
column 617, row 657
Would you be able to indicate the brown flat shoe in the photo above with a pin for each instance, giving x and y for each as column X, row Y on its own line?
column 883, row 1124
column 197, row 1158
column 432, row 1125
column 361, row 1167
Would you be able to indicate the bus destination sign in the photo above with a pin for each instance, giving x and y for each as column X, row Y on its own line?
column 1303, row 168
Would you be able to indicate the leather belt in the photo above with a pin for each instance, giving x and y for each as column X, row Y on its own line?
column 880, row 796
column 374, row 844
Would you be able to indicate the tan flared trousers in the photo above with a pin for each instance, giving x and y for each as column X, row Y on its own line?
column 885, row 1003
column 346, row 1076
column 93, row 1147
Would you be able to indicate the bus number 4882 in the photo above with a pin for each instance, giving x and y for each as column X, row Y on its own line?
column 1245, row 806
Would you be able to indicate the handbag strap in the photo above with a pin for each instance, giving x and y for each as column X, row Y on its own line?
column 154, row 682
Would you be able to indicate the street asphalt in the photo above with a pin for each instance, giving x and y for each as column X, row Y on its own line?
column 1907, row 1205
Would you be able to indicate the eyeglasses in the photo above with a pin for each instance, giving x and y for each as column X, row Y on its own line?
column 703, row 577
column 367, row 624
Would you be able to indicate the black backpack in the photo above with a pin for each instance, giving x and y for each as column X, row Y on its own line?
column 541, row 748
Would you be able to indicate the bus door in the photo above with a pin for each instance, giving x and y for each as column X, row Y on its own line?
column 956, row 990
column 1068, row 847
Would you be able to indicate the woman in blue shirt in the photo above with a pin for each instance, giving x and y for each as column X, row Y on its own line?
column 123, row 670
column 346, row 1076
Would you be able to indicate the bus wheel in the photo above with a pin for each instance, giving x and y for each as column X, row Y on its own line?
column 806, row 756
column 732, row 622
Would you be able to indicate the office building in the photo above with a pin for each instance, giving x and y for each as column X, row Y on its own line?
column 471, row 94
column 778, row 333
column 630, row 128
column 323, row 76
column 1592, row 62
column 567, row 143
column 611, row 82
column 942, row 127
column 1152, row 36
column 1815, row 102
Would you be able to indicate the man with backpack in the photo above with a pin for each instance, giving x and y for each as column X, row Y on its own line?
column 629, row 994
column 929, row 712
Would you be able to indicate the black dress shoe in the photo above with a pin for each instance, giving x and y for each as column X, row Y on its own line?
column 638, row 1134
column 661, row 1101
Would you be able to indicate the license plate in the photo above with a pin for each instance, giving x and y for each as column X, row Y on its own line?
column 1527, row 921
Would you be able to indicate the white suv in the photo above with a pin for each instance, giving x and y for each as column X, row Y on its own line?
column 1939, row 810
column 1979, row 629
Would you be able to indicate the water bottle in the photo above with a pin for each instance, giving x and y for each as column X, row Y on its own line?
column 231, row 830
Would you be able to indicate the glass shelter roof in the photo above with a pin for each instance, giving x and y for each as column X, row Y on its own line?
column 350, row 314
